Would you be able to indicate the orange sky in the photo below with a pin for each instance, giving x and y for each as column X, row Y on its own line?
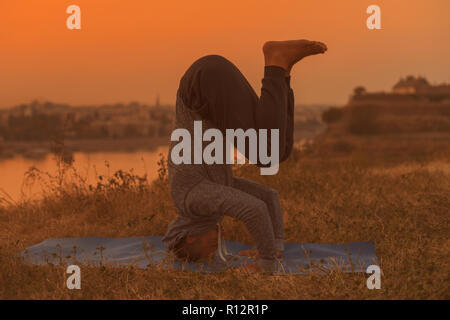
column 131, row 50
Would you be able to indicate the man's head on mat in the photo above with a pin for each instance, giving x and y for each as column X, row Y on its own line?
column 198, row 247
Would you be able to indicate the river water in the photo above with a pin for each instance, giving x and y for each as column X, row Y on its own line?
column 88, row 166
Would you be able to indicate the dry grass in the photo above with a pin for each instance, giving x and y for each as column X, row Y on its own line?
column 335, row 198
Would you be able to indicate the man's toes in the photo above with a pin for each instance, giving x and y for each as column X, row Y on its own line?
column 322, row 45
column 319, row 47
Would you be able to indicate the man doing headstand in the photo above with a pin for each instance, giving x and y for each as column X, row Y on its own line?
column 214, row 91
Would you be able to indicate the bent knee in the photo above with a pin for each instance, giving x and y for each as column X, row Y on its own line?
column 256, row 207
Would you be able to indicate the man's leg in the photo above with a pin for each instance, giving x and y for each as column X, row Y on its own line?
column 208, row 200
column 216, row 89
column 271, row 199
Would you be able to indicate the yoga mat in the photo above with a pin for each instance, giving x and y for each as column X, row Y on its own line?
column 149, row 252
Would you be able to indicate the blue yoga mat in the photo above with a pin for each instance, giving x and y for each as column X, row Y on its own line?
column 149, row 252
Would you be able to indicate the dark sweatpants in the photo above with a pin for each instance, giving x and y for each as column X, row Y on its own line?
column 214, row 90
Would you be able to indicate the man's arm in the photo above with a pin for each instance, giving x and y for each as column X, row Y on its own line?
column 286, row 128
column 284, row 154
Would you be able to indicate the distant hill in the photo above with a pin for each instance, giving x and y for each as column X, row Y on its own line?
column 391, row 126
column 409, row 90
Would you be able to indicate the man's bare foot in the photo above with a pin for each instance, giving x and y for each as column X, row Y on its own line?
column 287, row 53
